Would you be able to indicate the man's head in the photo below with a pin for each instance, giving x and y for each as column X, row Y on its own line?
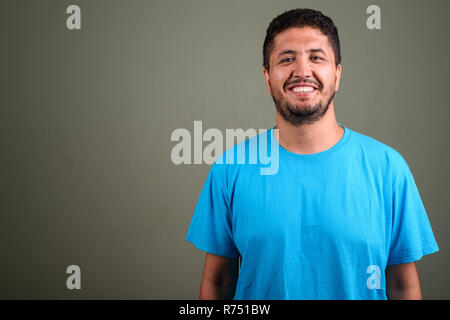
column 302, row 64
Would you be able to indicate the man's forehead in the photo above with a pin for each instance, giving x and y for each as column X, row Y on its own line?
column 305, row 37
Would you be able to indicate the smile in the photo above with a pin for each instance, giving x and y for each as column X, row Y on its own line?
column 302, row 91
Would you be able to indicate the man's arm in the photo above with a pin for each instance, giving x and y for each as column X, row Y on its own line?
column 402, row 282
column 219, row 278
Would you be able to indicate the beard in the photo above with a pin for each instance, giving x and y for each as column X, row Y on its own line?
column 297, row 115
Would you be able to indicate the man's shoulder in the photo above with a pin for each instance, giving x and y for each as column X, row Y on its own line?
column 377, row 150
column 248, row 145
column 244, row 156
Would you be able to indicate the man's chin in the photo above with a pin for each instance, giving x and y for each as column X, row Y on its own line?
column 303, row 110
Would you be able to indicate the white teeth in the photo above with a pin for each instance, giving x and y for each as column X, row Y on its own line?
column 302, row 89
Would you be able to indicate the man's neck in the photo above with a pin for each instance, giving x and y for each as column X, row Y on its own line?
column 309, row 138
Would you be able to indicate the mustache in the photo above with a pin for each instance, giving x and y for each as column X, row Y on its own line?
column 297, row 80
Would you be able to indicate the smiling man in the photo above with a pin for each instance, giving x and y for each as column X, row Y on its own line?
column 341, row 219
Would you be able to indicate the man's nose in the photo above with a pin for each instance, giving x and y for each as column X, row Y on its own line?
column 302, row 68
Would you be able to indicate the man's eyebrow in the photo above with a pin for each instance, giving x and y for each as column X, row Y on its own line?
column 282, row 53
column 317, row 50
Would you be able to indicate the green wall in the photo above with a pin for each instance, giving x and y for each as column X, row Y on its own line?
column 86, row 118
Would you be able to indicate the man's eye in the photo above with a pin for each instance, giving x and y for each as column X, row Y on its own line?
column 317, row 58
column 287, row 60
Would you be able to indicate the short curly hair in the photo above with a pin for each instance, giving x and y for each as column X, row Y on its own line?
column 301, row 18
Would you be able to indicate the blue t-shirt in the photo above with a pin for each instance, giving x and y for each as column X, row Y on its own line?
column 324, row 226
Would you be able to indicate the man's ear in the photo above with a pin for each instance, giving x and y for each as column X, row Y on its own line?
column 266, row 79
column 338, row 76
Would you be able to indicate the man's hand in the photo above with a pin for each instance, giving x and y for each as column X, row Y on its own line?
column 402, row 282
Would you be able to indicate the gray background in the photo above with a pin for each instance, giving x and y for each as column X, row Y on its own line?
column 86, row 118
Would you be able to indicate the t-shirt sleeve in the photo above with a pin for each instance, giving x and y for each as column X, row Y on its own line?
column 411, row 236
column 211, row 225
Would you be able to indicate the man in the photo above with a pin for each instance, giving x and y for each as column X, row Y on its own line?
column 341, row 219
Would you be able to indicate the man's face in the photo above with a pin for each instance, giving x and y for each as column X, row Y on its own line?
column 303, row 76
